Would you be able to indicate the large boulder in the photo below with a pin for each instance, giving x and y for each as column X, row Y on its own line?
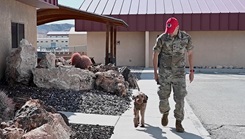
column 47, row 61
column 129, row 77
column 64, row 78
column 20, row 62
column 56, row 128
column 111, row 81
column 35, row 120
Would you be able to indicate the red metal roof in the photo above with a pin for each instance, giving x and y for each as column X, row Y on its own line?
column 121, row 7
column 150, row 15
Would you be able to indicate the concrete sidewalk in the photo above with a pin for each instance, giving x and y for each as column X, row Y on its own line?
column 124, row 128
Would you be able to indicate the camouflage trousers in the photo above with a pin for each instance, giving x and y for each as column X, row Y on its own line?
column 178, row 84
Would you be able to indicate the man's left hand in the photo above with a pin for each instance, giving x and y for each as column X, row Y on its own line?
column 191, row 76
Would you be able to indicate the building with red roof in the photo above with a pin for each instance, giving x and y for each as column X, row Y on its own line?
column 217, row 28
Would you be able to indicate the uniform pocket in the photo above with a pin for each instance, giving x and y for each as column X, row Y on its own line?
column 184, row 42
column 179, row 49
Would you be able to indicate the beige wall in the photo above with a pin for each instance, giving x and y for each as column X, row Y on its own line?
column 78, row 41
column 14, row 11
column 212, row 48
column 130, row 51
column 225, row 48
column 96, row 46
column 152, row 40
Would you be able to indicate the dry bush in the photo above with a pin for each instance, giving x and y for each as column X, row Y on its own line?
column 7, row 107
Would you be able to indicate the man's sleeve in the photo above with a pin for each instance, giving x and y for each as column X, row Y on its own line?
column 189, row 45
column 157, row 46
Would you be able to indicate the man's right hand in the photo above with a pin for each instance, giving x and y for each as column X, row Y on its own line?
column 156, row 78
column 155, row 66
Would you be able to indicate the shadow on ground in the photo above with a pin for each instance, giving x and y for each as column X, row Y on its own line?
column 154, row 131
column 185, row 135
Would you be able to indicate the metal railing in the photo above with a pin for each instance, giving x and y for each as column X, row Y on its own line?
column 79, row 48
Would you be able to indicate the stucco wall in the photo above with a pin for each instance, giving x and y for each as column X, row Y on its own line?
column 152, row 40
column 79, row 41
column 225, row 48
column 14, row 11
column 96, row 46
column 212, row 48
column 130, row 50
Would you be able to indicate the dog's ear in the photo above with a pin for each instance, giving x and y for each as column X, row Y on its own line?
column 145, row 98
column 133, row 97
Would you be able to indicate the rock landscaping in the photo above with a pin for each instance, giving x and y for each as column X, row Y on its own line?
column 35, row 90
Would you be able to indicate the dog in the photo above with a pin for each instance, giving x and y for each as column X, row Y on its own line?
column 140, row 101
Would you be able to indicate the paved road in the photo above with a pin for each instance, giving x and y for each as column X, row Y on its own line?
column 218, row 100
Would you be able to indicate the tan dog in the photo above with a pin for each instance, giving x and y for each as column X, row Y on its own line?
column 140, row 101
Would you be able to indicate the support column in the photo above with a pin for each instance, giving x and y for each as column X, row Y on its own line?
column 147, row 45
column 107, row 44
column 111, row 45
column 115, row 45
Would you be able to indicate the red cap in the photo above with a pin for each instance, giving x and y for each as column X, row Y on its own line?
column 171, row 24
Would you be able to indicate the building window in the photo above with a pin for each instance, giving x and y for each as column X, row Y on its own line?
column 18, row 33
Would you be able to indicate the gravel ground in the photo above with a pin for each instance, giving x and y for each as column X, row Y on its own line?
column 90, row 102
column 91, row 131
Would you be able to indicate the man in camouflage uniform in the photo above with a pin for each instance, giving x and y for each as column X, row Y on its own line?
column 172, row 46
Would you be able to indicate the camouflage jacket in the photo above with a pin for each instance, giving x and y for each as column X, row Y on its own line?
column 172, row 50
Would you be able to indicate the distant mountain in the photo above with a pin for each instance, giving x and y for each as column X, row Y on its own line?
column 44, row 29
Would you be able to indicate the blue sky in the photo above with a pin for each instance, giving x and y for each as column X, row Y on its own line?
column 70, row 3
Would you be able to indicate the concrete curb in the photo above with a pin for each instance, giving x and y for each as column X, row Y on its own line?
column 220, row 71
column 196, row 122
column 199, row 70
column 91, row 119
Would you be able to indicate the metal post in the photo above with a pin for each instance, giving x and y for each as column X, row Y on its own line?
column 111, row 45
column 115, row 45
column 107, row 44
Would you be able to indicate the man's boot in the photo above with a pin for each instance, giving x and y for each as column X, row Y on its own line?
column 165, row 119
column 179, row 127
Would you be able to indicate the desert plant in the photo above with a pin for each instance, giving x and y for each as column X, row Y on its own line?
column 80, row 61
column 6, row 107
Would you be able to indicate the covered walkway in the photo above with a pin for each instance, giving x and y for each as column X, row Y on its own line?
column 64, row 13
